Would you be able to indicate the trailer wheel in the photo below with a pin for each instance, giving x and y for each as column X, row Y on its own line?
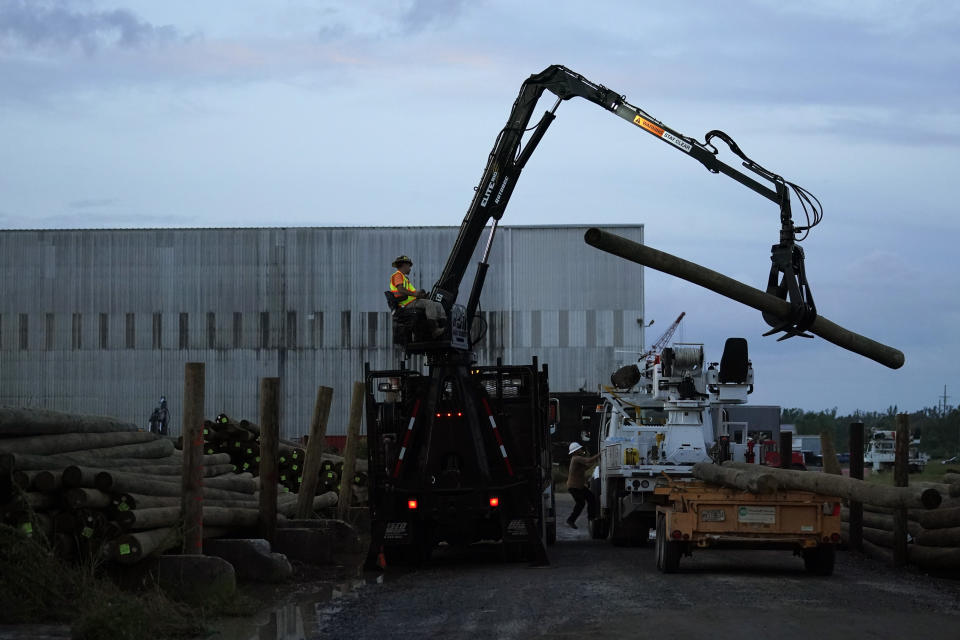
column 668, row 552
column 819, row 560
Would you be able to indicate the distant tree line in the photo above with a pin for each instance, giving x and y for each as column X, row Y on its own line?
column 939, row 428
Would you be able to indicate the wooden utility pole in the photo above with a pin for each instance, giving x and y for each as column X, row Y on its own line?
column 269, row 456
column 735, row 290
column 191, row 503
column 901, row 475
column 786, row 449
column 311, row 466
column 856, row 472
column 350, row 451
column 829, row 453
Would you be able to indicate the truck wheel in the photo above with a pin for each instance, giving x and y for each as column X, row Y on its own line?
column 618, row 537
column 668, row 552
column 819, row 560
column 619, row 534
column 599, row 528
column 552, row 524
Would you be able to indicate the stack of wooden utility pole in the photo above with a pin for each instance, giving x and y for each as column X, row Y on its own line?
column 240, row 440
column 917, row 523
column 97, row 485
column 899, row 534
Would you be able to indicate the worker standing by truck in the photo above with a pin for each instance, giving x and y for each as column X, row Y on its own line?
column 580, row 462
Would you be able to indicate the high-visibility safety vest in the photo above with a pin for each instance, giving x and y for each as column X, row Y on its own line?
column 399, row 280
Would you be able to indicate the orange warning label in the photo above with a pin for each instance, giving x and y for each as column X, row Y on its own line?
column 649, row 126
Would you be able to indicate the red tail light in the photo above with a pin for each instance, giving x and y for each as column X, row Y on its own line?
column 835, row 537
column 411, row 504
column 676, row 535
column 494, row 501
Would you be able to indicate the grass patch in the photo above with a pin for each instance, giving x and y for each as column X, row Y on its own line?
column 39, row 587
column 933, row 471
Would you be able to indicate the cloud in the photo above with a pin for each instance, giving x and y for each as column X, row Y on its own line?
column 52, row 24
column 423, row 14
column 93, row 203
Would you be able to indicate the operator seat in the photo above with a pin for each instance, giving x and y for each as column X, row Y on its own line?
column 404, row 320
column 734, row 363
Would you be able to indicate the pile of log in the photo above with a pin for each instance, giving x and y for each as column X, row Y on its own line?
column 933, row 509
column 240, row 440
column 934, row 535
column 765, row 479
column 98, row 487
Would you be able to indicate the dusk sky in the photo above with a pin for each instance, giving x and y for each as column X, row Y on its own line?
column 225, row 113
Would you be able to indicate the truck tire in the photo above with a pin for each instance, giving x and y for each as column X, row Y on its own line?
column 668, row 552
column 599, row 527
column 552, row 524
column 819, row 560
column 619, row 534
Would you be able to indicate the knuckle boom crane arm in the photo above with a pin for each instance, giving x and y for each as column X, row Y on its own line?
column 462, row 454
column 787, row 279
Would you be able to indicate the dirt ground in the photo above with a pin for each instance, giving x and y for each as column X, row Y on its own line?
column 595, row 590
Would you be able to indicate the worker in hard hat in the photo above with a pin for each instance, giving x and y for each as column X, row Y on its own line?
column 577, row 484
column 407, row 296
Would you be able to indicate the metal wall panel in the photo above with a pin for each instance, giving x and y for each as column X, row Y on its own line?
column 303, row 304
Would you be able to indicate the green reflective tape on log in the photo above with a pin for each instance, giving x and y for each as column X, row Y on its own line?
column 125, row 549
column 87, row 532
column 294, row 467
column 282, row 459
column 249, row 451
column 294, row 455
column 123, row 507
column 257, row 459
column 206, row 431
column 27, row 527
column 283, row 478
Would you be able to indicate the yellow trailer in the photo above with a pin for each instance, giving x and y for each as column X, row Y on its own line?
column 699, row 515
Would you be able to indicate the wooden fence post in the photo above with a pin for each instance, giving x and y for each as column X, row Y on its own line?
column 901, row 475
column 856, row 472
column 350, row 451
column 311, row 465
column 786, row 449
column 269, row 456
column 191, row 502
column 829, row 452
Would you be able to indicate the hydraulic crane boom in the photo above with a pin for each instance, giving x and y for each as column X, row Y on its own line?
column 787, row 279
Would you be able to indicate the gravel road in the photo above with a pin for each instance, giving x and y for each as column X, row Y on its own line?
column 595, row 590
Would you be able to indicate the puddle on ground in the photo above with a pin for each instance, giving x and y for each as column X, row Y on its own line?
column 303, row 615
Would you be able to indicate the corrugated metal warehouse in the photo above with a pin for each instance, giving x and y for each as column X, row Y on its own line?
column 103, row 321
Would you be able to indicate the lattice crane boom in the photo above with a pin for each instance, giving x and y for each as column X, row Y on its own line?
column 663, row 340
